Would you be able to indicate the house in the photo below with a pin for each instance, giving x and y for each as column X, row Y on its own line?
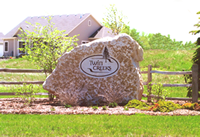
column 1, row 44
column 85, row 25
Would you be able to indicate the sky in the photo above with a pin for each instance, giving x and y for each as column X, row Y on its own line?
column 174, row 17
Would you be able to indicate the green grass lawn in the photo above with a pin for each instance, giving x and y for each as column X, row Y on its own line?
column 98, row 125
column 22, row 77
column 15, row 88
column 18, row 63
column 167, row 60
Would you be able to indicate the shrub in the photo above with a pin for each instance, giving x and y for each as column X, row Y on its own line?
column 94, row 107
column 126, row 108
column 165, row 106
column 191, row 106
column 159, row 92
column 136, row 104
column 197, row 107
column 68, row 106
column 112, row 105
column 195, row 60
column 104, row 108
column 26, row 92
column 53, row 109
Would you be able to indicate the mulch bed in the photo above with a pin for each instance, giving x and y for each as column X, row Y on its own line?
column 43, row 106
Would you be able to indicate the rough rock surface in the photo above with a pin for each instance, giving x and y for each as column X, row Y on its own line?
column 67, row 77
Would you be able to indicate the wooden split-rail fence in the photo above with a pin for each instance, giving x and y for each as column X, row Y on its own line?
column 149, row 82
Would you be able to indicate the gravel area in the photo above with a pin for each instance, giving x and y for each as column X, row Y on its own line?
column 43, row 106
column 3, row 59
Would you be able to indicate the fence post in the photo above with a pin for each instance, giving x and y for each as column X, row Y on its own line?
column 194, row 83
column 148, row 82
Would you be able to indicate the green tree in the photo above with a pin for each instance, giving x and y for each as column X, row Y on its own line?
column 143, row 40
column 194, row 32
column 132, row 32
column 114, row 19
column 45, row 44
column 195, row 59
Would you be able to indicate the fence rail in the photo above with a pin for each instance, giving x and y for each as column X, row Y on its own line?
column 14, row 93
column 170, row 98
column 194, row 84
column 21, row 83
column 170, row 85
column 21, row 70
column 172, row 73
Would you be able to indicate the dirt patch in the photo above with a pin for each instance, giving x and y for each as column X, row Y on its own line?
column 43, row 106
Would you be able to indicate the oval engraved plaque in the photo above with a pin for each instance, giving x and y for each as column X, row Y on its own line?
column 97, row 66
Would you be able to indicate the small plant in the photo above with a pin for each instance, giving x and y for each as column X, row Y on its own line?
column 112, row 105
column 53, row 109
column 197, row 107
column 159, row 92
column 126, row 108
column 104, row 108
column 68, row 106
column 136, row 104
column 95, row 107
column 164, row 106
column 191, row 106
column 188, row 106
column 27, row 93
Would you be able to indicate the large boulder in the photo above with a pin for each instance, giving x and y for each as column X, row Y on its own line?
column 104, row 70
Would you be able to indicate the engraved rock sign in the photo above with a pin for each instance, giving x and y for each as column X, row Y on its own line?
column 99, row 66
column 92, row 70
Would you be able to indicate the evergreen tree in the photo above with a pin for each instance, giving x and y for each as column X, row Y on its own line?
column 195, row 59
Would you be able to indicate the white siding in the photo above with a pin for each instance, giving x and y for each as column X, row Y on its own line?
column 1, row 49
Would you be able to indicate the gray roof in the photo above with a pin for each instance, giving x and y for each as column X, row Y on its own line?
column 102, row 32
column 62, row 22
column 1, row 36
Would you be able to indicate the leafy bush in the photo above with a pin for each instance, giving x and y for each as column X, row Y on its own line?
column 195, row 60
column 159, row 92
column 53, row 109
column 104, row 108
column 68, row 106
column 164, row 106
column 136, row 104
column 126, row 108
column 191, row 106
column 27, row 92
column 94, row 107
column 112, row 105
column 197, row 107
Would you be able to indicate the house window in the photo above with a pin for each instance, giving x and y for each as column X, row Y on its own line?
column 21, row 45
column 89, row 23
column 6, row 46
